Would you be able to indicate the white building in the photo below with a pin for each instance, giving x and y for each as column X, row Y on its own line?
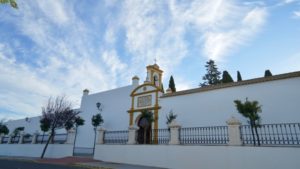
column 207, row 106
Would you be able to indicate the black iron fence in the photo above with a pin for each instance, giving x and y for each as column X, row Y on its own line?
column 116, row 137
column 272, row 134
column 204, row 135
column 42, row 138
column 15, row 140
column 27, row 139
column 4, row 140
column 57, row 139
column 163, row 136
column 60, row 138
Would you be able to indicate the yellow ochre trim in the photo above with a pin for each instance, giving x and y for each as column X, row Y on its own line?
column 147, row 84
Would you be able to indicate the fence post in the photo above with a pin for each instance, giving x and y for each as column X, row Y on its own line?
column 70, row 136
column 132, row 134
column 22, row 133
column 174, row 129
column 100, row 139
column 234, row 132
column 34, row 137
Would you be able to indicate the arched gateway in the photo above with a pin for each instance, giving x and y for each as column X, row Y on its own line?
column 144, row 99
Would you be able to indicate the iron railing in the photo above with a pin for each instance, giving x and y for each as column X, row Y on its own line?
column 15, row 140
column 42, row 138
column 204, row 135
column 57, row 139
column 60, row 138
column 163, row 136
column 4, row 140
column 27, row 139
column 116, row 137
column 272, row 134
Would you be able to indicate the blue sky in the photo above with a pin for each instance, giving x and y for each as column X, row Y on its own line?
column 55, row 47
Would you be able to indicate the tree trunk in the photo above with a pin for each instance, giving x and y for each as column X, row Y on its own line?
column 253, row 137
column 43, row 138
column 48, row 141
column 75, row 140
column 145, row 135
column 95, row 130
column 257, row 136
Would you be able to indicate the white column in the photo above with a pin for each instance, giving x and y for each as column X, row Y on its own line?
column 34, row 137
column 9, row 139
column 174, row 132
column 132, row 134
column 100, row 139
column 70, row 136
column 22, row 133
column 234, row 132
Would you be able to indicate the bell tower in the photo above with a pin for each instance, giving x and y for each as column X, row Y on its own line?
column 154, row 75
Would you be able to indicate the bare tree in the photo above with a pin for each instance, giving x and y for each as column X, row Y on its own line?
column 58, row 113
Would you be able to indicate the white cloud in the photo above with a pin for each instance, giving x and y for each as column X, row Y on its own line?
column 221, row 43
column 55, row 10
column 71, row 54
column 67, row 60
column 296, row 14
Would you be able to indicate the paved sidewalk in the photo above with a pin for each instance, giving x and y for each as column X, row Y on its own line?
column 116, row 165
column 84, row 162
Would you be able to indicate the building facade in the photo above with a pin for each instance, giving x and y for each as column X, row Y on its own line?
column 206, row 106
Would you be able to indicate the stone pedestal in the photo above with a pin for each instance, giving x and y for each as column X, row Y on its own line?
column 132, row 134
column 34, row 137
column 100, row 139
column 71, row 136
column 9, row 139
column 234, row 132
column 1, row 136
column 21, row 137
column 174, row 133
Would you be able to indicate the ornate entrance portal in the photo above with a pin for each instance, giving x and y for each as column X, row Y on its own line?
column 145, row 99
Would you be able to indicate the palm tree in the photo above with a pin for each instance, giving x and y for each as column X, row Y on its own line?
column 250, row 110
column 78, row 122
column 45, row 126
column 97, row 120
column 170, row 117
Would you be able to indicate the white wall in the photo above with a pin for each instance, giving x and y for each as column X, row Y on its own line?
column 204, row 157
column 279, row 100
column 114, row 104
column 35, row 150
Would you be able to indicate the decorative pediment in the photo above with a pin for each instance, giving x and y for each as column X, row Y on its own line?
column 144, row 89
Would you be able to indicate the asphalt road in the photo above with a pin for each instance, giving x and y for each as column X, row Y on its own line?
column 22, row 164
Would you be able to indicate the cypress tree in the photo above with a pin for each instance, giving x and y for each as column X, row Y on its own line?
column 226, row 77
column 268, row 73
column 239, row 77
column 212, row 76
column 172, row 84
